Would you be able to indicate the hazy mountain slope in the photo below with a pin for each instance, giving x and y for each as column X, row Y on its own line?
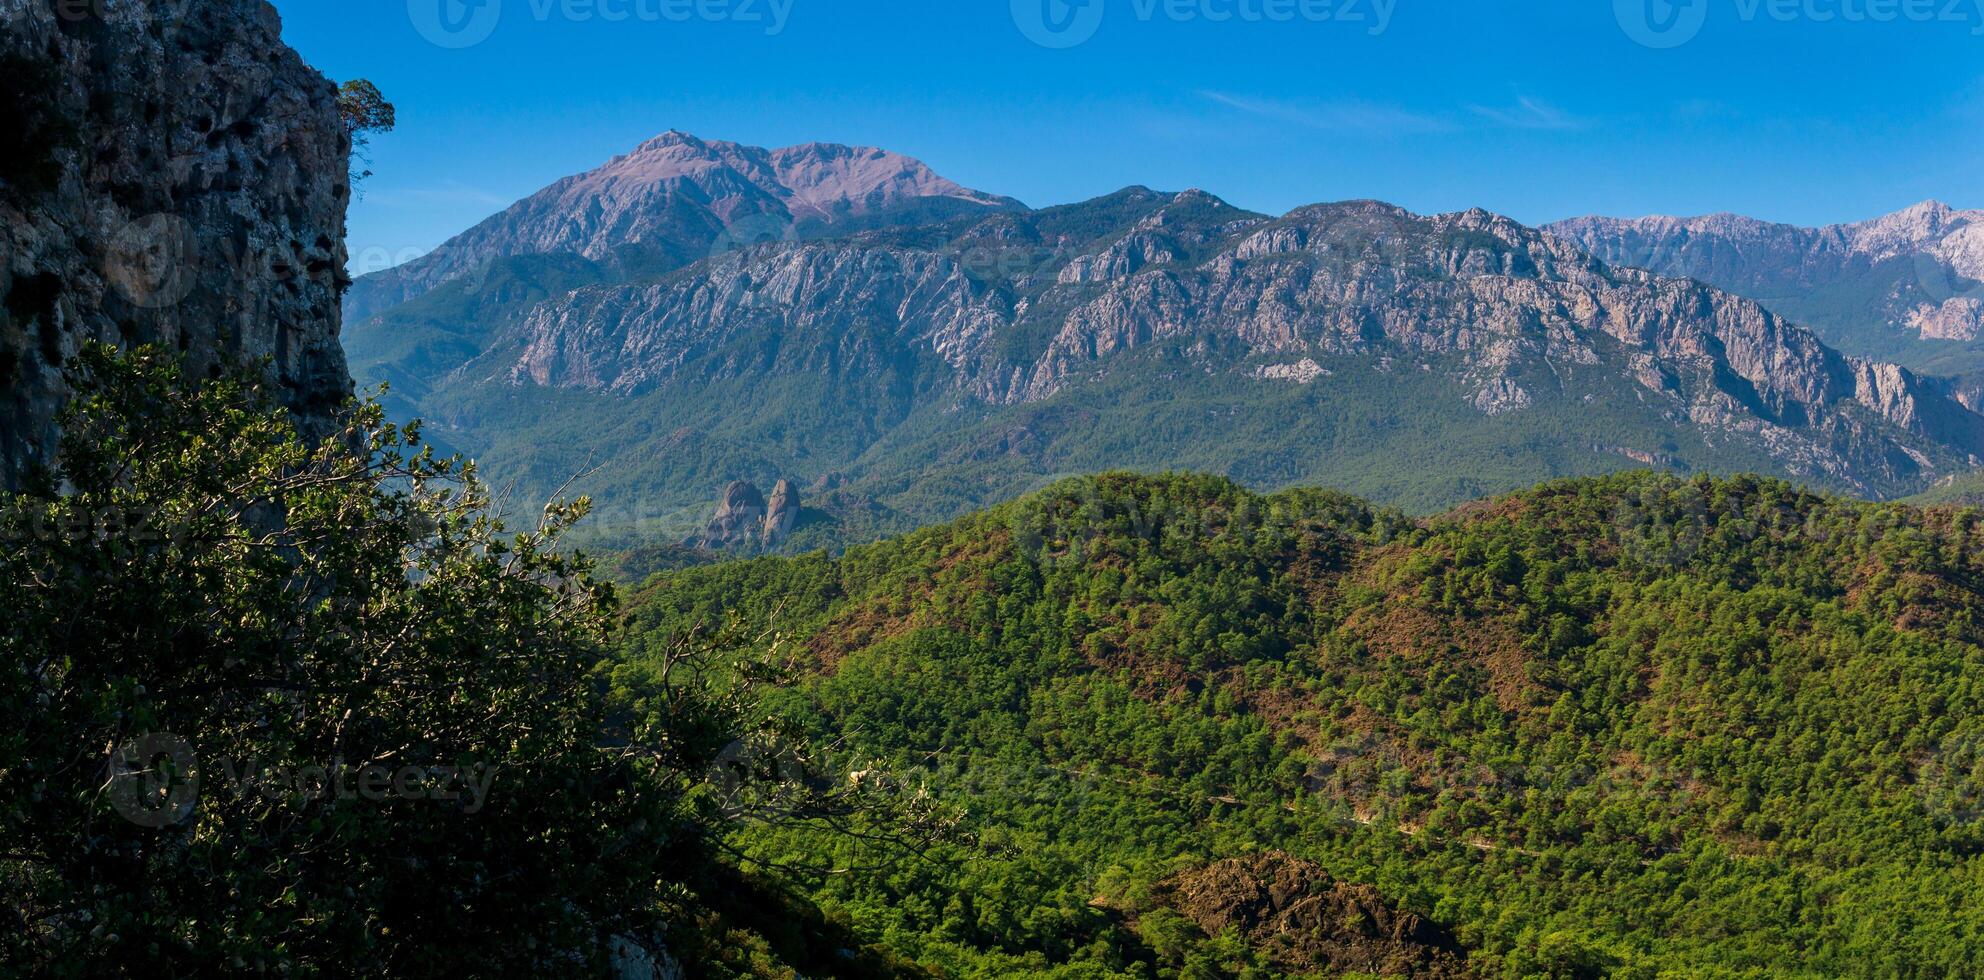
column 1962, row 490
column 1633, row 726
column 1908, row 285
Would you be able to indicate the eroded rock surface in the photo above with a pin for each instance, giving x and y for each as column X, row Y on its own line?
column 173, row 174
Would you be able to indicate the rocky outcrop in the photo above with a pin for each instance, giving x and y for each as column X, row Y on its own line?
column 838, row 309
column 781, row 513
column 745, row 519
column 643, row 960
column 739, row 518
column 170, row 174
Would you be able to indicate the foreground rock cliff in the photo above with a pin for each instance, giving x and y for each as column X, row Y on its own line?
column 172, row 174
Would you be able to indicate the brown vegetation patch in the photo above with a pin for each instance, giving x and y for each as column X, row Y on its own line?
column 1404, row 632
column 1303, row 920
column 859, row 628
column 1120, row 647
column 1482, row 511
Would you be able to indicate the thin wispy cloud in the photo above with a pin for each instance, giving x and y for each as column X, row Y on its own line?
column 1341, row 116
column 1368, row 117
column 1527, row 113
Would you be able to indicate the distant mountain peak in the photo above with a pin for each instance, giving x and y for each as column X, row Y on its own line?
column 1914, row 227
column 677, row 198
column 820, row 173
column 1925, row 220
column 672, row 137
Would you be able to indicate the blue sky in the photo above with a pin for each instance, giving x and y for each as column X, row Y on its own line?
column 1808, row 111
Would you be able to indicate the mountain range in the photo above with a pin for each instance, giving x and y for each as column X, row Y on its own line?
column 905, row 348
column 1907, row 286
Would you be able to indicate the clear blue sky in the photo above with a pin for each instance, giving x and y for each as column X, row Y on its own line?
column 1809, row 111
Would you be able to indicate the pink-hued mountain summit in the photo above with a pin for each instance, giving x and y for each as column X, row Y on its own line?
column 675, row 198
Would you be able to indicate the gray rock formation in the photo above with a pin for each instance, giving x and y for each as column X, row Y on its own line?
column 739, row 518
column 172, row 174
column 745, row 519
column 1506, row 312
column 781, row 513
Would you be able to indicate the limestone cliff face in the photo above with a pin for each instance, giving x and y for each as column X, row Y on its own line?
column 1510, row 315
column 1915, row 272
column 172, row 174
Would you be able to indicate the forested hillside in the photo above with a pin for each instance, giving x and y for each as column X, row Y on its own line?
column 1631, row 726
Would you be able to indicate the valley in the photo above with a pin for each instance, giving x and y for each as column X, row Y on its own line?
column 758, row 563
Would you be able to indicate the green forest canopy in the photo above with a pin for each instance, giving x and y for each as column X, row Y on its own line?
column 1635, row 725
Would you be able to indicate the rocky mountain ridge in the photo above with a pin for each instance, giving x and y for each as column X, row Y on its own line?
column 942, row 361
column 1915, row 272
column 1505, row 309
